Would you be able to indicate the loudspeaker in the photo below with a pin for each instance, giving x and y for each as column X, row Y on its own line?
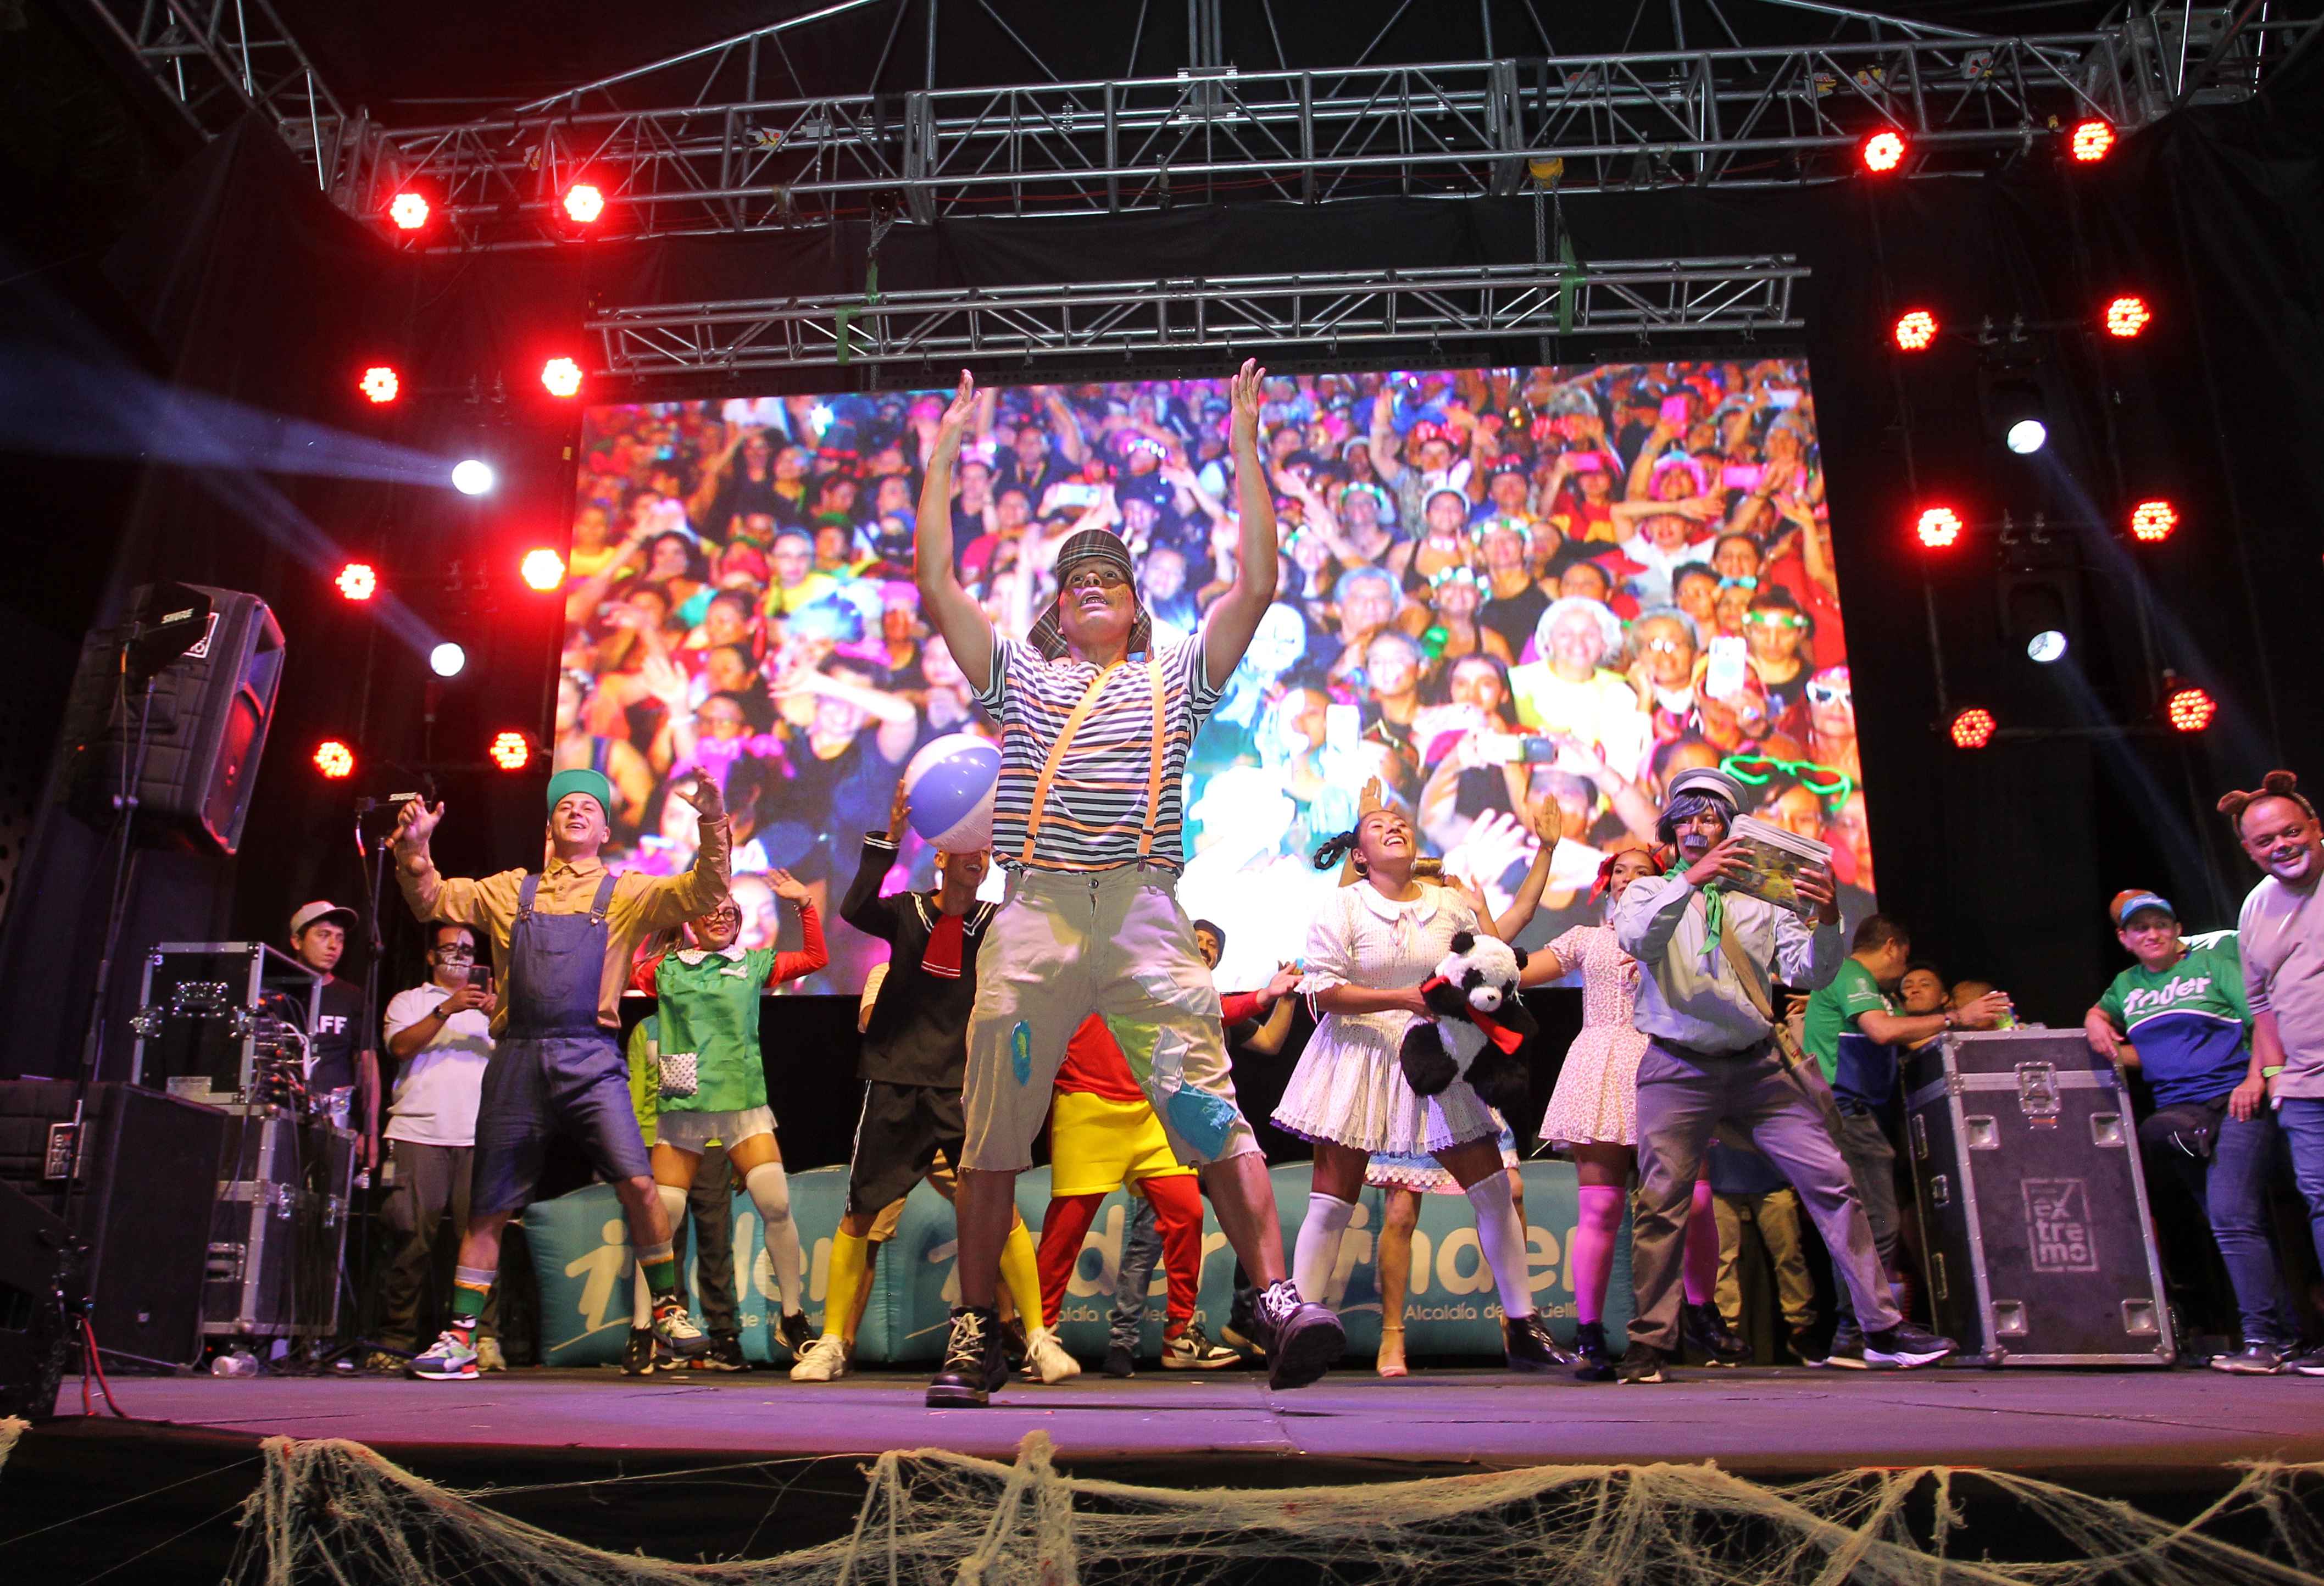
column 141, row 1199
column 208, row 719
column 39, row 1277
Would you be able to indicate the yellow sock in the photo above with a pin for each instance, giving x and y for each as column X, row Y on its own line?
column 850, row 1257
column 1020, row 1273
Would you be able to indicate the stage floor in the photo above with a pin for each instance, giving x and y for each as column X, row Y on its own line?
column 2113, row 1430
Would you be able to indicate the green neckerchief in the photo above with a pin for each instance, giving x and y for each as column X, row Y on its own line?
column 1714, row 907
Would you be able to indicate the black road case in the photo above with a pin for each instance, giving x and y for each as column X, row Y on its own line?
column 2024, row 1162
column 194, row 1014
column 279, row 1227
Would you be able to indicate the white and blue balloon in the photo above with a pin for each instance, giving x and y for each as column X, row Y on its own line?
column 950, row 785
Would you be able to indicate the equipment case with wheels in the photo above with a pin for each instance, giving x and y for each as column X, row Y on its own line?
column 2025, row 1166
column 279, row 1227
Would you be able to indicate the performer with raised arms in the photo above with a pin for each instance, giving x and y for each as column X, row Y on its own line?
column 562, row 941
column 1096, row 723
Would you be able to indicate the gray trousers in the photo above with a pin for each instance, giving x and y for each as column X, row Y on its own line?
column 1872, row 1164
column 710, row 1203
column 1683, row 1098
column 1141, row 1252
column 432, row 1181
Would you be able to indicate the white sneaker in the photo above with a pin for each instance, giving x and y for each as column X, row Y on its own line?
column 825, row 1361
column 1049, row 1357
column 675, row 1329
column 452, row 1358
column 1192, row 1350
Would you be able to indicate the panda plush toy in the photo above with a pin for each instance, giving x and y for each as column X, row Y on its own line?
column 1480, row 1026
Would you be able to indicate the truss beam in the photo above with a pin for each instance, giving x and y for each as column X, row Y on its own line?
column 1729, row 297
column 1729, row 117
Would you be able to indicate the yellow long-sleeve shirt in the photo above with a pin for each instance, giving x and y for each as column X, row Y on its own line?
column 641, row 906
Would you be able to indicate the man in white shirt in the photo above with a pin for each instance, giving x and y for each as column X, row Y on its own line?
column 440, row 1036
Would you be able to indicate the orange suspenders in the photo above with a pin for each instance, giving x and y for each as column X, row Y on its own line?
column 1065, row 738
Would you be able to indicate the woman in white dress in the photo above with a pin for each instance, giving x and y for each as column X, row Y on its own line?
column 1369, row 949
column 1592, row 1118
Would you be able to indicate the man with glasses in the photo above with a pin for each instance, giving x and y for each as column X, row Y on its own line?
column 439, row 1034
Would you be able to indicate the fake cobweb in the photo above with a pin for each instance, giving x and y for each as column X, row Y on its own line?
column 337, row 1511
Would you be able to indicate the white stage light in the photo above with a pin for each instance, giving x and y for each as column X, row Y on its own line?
column 2047, row 646
column 446, row 660
column 2027, row 435
column 472, row 477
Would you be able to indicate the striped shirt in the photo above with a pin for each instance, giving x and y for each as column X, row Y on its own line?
column 1096, row 807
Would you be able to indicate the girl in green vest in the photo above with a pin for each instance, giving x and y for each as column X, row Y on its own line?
column 711, row 1083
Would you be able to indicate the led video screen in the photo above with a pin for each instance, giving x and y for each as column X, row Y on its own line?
column 1518, row 598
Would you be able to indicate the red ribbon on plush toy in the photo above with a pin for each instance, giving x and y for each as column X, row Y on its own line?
column 1500, row 1034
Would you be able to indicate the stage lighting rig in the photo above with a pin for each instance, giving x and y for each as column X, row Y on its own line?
column 1972, row 727
column 408, row 211
column 584, row 201
column 2187, row 707
column 1884, row 151
column 335, row 759
column 1915, row 330
column 542, row 569
column 2016, row 411
column 357, row 581
column 447, row 660
column 473, row 476
column 561, row 377
column 1937, row 528
column 2151, row 522
column 2127, row 316
column 2092, row 141
column 380, row 385
column 511, row 751
column 2047, row 646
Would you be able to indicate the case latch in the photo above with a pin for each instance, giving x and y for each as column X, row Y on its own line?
column 2037, row 1093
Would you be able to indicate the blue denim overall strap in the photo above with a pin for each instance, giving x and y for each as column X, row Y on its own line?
column 556, row 966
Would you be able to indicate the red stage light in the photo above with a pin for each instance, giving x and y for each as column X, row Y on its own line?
column 1938, row 528
column 1915, row 329
column 511, row 752
column 335, row 759
column 543, row 568
column 410, row 211
column 379, row 383
column 2093, row 140
column 562, row 377
column 1973, row 728
column 357, row 581
column 2151, row 522
column 584, row 202
column 1884, row 150
column 2188, row 709
column 2127, row 316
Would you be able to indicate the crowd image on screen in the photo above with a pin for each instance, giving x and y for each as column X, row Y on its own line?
column 1519, row 598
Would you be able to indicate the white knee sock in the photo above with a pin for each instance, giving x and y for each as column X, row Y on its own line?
column 1501, row 1236
column 769, row 1189
column 1317, row 1252
column 673, row 1208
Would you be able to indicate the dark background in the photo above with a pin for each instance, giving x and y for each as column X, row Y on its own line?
column 131, row 252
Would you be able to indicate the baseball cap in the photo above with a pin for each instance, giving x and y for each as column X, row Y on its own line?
column 2127, row 904
column 581, row 780
column 321, row 910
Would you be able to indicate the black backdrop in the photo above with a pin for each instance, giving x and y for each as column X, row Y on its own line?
column 234, row 277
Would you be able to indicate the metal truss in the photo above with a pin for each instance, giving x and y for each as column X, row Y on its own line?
column 1734, row 297
column 218, row 59
column 1738, row 117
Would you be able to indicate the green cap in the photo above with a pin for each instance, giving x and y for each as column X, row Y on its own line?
column 581, row 780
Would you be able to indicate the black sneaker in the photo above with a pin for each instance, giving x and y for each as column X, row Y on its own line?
column 973, row 1368
column 1017, row 1348
column 1641, row 1362
column 1801, row 1346
column 1530, row 1347
column 1846, row 1349
column 1302, row 1340
column 2260, row 1359
column 644, row 1354
column 1120, row 1361
column 1594, row 1362
column 795, row 1335
column 1905, row 1346
column 2308, row 1362
column 724, row 1354
column 1704, row 1330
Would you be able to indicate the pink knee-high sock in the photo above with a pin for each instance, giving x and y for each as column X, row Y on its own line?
column 1702, row 1268
column 1591, row 1258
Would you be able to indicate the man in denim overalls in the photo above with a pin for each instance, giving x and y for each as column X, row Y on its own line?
column 562, row 941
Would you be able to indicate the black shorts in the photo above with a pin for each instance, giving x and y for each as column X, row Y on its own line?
column 897, row 1136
